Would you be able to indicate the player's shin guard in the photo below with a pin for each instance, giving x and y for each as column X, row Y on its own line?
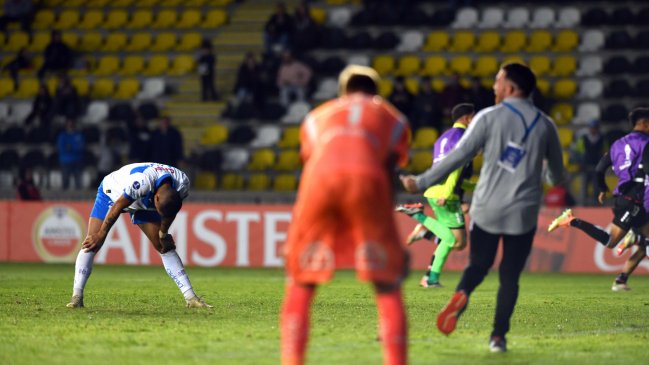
column 393, row 327
column 294, row 323
column 82, row 271
column 176, row 270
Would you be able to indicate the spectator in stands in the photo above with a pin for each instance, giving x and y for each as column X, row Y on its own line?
column 17, row 11
column 27, row 190
column 168, row 146
column 401, row 97
column 248, row 85
column 480, row 96
column 589, row 149
column 293, row 78
column 558, row 196
column 278, row 30
column 66, row 99
column 109, row 156
column 140, row 140
column 452, row 95
column 71, row 147
column 41, row 108
column 22, row 61
column 206, row 68
column 425, row 110
column 58, row 56
column 306, row 30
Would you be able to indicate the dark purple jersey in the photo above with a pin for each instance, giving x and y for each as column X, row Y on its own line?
column 626, row 157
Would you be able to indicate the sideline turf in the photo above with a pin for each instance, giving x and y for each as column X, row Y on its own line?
column 135, row 315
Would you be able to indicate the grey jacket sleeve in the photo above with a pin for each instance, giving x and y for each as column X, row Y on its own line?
column 554, row 157
column 467, row 147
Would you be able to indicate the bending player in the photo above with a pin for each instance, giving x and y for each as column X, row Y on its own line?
column 630, row 161
column 344, row 209
column 153, row 194
column 445, row 200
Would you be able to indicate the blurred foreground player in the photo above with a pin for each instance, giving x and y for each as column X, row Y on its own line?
column 350, row 146
column 153, row 194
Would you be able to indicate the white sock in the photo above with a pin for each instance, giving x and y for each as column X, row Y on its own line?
column 82, row 271
column 176, row 271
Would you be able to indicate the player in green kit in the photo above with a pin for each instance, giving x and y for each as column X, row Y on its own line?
column 445, row 199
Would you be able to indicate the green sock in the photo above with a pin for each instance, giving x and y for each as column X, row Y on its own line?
column 433, row 278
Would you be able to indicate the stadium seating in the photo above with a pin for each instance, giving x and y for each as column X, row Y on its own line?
column 288, row 160
column 420, row 161
column 285, row 183
column 258, row 182
column 436, row 41
column 231, row 181
column 116, row 19
column 214, row 135
column 424, row 137
column 140, row 19
column 261, row 160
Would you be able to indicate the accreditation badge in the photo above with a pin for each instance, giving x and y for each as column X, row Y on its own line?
column 511, row 156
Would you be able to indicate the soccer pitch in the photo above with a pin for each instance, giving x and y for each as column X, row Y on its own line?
column 136, row 315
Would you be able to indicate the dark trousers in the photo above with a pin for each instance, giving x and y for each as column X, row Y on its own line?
column 208, row 92
column 516, row 249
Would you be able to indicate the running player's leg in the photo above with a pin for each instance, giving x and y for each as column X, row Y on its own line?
column 449, row 227
column 83, row 267
column 294, row 322
column 620, row 283
column 150, row 226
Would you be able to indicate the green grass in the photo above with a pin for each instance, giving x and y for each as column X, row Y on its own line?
column 135, row 315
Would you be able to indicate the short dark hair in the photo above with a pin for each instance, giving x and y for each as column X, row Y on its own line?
column 637, row 114
column 362, row 83
column 461, row 110
column 522, row 76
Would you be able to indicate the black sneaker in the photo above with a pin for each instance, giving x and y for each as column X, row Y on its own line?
column 497, row 344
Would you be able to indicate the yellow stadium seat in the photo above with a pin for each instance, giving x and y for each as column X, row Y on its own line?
column 540, row 65
column 564, row 66
column 170, row 3
column 127, row 89
column 231, row 181
column 436, row 41
column 116, row 19
column 44, row 19
column 146, row 3
column 115, row 41
column 182, row 65
column 99, row 3
column 190, row 18
column 488, row 42
column 438, row 84
column 51, row 84
column 540, row 41
column 71, row 39
column 214, row 19
column 285, row 183
column 461, row 65
column 412, row 85
column 73, row 3
column 2, row 38
column 564, row 88
column 544, row 86
column 290, row 138
column 6, row 87
column 318, row 15
column 219, row 2
column 91, row 41
column 189, row 41
column 140, row 19
column 82, row 85
column 165, row 19
column 566, row 40
column 513, row 58
column 462, row 41
column 139, row 42
column 383, row 64
column 92, row 19
column 214, row 135
column 108, row 65
column 514, row 41
column 562, row 113
column 565, row 136
column 477, row 163
column 258, row 182
column 67, row 19
column 102, row 88
column 434, row 65
column 16, row 41
column 37, row 62
column 408, row 65
column 132, row 65
column 205, row 181
column 385, row 87
column 40, row 40
column 262, row 159
column 157, row 65
column 486, row 66
column 487, row 82
column 164, row 42
column 27, row 88
column 288, row 160
column 121, row 3
column 420, row 161
column 425, row 137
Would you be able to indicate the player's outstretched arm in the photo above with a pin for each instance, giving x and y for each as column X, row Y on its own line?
column 94, row 241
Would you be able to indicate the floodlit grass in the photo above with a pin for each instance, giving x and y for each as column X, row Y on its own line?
column 136, row 315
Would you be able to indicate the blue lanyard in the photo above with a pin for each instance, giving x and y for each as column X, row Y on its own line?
column 520, row 115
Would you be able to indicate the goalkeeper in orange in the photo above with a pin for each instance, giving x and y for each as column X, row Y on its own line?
column 350, row 147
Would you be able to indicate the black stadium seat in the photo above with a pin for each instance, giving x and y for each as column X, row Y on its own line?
column 622, row 16
column 619, row 88
column 33, row 159
column 641, row 65
column 619, row 39
column 91, row 134
column 642, row 40
column 386, row 41
column 442, row 17
column 641, row 89
column 13, row 134
column 37, row 134
column 9, row 159
column 360, row 40
column 614, row 113
column 594, row 17
column 617, row 65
